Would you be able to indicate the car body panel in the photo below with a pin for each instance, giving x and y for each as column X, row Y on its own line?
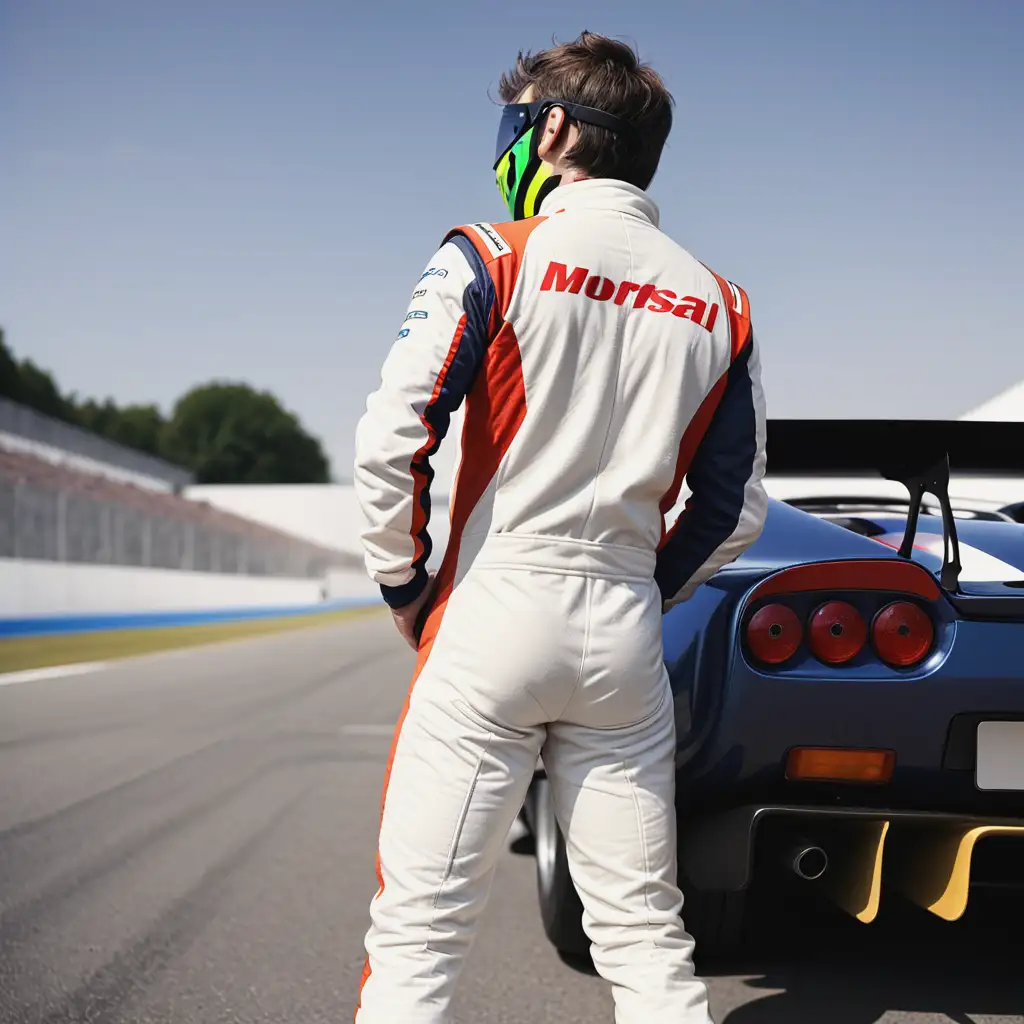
column 849, row 488
column 737, row 720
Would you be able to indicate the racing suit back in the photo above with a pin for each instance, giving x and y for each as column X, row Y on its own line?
column 600, row 364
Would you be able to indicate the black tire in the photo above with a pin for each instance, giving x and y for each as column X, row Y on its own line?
column 560, row 909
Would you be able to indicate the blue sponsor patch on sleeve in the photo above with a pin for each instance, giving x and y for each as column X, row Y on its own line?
column 417, row 314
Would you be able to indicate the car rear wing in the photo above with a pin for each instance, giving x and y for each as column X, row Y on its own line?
column 887, row 447
column 920, row 454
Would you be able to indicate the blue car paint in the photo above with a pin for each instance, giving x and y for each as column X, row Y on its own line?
column 793, row 537
column 736, row 721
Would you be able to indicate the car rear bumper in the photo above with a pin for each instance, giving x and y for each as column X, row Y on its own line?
column 934, row 859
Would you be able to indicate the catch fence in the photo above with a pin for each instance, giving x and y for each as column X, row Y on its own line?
column 51, row 513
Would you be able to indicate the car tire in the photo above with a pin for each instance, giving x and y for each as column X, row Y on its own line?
column 560, row 908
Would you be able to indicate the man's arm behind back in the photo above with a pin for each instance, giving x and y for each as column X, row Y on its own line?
column 728, row 504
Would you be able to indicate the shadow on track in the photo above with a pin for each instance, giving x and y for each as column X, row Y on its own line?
column 816, row 966
column 820, row 967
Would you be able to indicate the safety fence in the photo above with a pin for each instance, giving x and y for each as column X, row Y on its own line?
column 31, row 428
column 52, row 513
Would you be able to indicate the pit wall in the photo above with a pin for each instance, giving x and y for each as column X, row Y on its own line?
column 324, row 514
column 31, row 592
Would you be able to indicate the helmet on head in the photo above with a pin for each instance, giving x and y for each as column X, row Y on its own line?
column 523, row 178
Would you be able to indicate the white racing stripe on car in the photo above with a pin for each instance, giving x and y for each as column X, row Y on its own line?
column 35, row 675
column 978, row 566
column 981, row 567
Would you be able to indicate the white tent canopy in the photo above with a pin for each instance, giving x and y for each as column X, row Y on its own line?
column 1006, row 406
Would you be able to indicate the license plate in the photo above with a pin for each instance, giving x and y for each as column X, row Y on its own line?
column 1000, row 756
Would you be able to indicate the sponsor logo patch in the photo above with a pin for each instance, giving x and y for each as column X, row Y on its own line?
column 434, row 272
column 403, row 333
column 641, row 296
column 493, row 242
column 419, row 293
column 416, row 314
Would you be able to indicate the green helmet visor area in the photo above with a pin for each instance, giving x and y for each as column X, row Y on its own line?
column 521, row 176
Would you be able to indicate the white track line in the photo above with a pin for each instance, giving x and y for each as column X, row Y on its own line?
column 34, row 675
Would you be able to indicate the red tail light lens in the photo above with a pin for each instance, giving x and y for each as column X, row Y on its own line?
column 774, row 634
column 902, row 633
column 837, row 632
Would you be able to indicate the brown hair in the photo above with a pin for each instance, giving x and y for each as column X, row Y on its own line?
column 600, row 72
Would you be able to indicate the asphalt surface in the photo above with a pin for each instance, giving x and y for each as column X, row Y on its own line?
column 189, row 837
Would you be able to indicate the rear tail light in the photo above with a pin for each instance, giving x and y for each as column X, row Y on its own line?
column 774, row 634
column 837, row 633
column 902, row 634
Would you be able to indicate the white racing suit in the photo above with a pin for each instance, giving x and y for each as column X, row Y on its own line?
column 600, row 364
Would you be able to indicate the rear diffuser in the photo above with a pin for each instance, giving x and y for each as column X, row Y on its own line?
column 854, row 879
column 930, row 864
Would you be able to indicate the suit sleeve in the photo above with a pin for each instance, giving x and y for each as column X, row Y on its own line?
column 426, row 375
column 728, row 504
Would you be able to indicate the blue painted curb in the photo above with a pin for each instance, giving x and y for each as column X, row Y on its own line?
column 55, row 625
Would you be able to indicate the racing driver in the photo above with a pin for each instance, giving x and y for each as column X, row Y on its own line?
column 600, row 364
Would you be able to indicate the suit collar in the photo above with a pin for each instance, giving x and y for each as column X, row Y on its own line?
column 601, row 194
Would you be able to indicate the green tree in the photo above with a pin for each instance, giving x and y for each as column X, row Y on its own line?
column 30, row 385
column 231, row 433
column 97, row 417
column 141, row 427
column 39, row 390
column 10, row 372
column 136, row 426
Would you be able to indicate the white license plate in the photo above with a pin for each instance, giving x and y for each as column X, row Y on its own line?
column 1000, row 755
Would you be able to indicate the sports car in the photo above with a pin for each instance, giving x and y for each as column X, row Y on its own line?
column 849, row 694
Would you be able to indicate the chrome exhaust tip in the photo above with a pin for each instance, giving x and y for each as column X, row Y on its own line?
column 807, row 861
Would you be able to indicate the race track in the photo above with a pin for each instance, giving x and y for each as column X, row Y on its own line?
column 188, row 838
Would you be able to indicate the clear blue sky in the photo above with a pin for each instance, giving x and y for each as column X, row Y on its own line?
column 249, row 190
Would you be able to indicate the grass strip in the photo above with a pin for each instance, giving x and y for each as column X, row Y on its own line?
column 27, row 652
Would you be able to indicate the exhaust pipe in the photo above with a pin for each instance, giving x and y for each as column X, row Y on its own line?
column 807, row 861
column 850, row 872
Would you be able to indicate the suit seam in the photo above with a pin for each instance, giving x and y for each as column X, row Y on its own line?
column 726, row 306
column 588, row 597
column 517, row 286
column 456, row 837
column 629, row 771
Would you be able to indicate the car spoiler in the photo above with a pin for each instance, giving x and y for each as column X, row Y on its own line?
column 887, row 447
column 920, row 454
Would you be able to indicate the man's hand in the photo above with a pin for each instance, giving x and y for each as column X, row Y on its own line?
column 405, row 617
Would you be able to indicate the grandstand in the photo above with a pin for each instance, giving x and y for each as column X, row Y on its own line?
column 70, row 496
column 25, row 430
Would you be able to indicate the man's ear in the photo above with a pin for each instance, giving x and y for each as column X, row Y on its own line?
column 552, row 132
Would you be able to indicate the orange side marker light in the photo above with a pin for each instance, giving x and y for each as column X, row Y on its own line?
column 839, row 764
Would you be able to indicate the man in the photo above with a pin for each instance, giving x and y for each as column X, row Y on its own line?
column 600, row 363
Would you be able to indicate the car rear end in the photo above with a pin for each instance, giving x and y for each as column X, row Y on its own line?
column 871, row 726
